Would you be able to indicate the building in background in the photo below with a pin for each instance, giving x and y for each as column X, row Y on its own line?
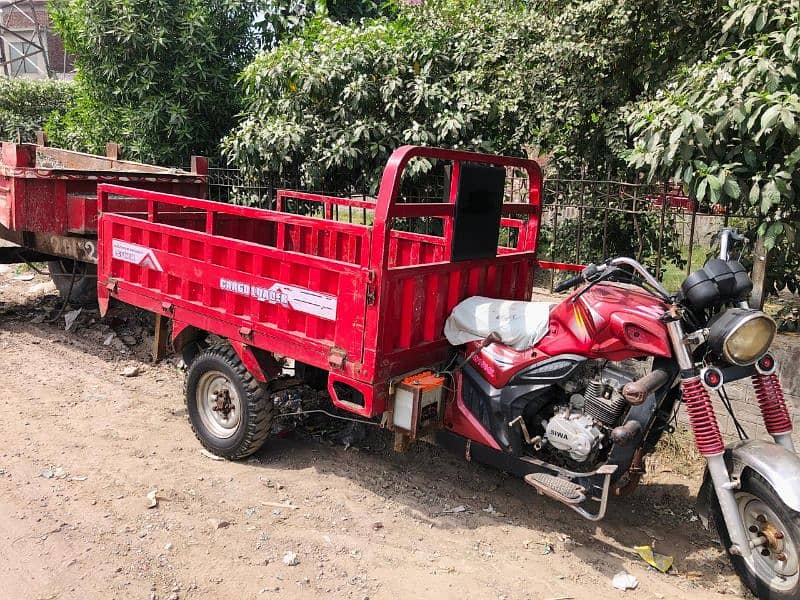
column 30, row 48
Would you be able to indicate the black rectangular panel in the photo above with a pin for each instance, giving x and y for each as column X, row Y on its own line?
column 479, row 200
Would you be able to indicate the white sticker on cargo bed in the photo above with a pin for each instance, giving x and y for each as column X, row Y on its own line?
column 135, row 254
column 290, row 296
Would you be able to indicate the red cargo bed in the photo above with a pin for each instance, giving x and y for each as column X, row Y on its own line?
column 364, row 301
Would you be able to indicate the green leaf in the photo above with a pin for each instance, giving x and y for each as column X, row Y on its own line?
column 755, row 194
column 770, row 197
column 761, row 19
column 701, row 190
column 770, row 117
column 772, row 234
column 732, row 188
column 787, row 117
column 749, row 13
column 793, row 158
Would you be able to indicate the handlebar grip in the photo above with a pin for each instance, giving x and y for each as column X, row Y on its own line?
column 569, row 283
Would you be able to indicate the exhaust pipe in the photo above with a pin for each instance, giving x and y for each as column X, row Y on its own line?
column 636, row 392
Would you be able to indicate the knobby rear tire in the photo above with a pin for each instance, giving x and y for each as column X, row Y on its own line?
column 256, row 404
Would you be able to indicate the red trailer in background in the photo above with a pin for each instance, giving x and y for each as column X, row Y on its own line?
column 48, row 205
column 362, row 302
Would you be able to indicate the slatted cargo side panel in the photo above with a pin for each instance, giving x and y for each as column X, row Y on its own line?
column 304, row 299
column 406, row 248
column 421, row 298
column 338, row 241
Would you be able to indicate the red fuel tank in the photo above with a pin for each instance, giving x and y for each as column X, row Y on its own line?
column 612, row 321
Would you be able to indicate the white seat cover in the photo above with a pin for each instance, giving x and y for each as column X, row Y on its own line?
column 519, row 325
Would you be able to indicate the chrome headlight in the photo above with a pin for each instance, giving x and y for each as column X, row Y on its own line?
column 741, row 336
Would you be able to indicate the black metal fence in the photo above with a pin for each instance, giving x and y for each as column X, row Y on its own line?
column 587, row 221
column 583, row 220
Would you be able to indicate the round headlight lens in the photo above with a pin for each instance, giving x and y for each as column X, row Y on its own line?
column 741, row 336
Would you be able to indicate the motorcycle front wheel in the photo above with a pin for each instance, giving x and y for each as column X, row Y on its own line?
column 771, row 571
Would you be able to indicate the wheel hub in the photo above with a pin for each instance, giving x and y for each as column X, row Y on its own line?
column 222, row 402
column 218, row 404
column 773, row 536
column 774, row 556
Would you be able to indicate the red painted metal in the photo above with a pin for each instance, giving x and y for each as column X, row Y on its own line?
column 609, row 321
column 772, row 403
column 459, row 419
column 559, row 266
column 61, row 200
column 263, row 368
column 367, row 302
column 701, row 417
column 498, row 363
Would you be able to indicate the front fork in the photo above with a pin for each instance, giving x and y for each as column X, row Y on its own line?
column 705, row 426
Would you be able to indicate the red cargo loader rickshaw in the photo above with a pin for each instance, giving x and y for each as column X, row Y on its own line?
column 434, row 335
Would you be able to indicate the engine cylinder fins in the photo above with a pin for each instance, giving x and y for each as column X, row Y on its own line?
column 602, row 404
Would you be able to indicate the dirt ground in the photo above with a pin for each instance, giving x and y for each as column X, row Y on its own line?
column 83, row 445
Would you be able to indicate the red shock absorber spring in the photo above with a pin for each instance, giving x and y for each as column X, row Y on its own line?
column 702, row 417
column 772, row 404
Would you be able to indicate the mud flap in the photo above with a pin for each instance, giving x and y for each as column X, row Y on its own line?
column 261, row 364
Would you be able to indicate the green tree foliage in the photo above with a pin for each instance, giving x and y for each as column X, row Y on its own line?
column 490, row 75
column 158, row 76
column 25, row 106
column 728, row 126
column 279, row 19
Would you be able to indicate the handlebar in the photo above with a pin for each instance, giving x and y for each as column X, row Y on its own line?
column 569, row 283
column 591, row 271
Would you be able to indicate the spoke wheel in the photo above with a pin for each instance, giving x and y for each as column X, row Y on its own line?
column 772, row 570
column 229, row 410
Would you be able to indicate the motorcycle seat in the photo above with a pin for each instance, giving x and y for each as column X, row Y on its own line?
column 519, row 325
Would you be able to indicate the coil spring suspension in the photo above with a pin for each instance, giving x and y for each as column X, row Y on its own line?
column 702, row 417
column 772, row 404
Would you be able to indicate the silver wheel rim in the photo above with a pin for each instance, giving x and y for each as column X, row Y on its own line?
column 218, row 404
column 779, row 575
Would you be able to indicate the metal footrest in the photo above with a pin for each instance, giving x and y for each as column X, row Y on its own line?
column 557, row 488
column 573, row 494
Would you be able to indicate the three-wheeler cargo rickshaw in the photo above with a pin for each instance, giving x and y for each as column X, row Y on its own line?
column 418, row 315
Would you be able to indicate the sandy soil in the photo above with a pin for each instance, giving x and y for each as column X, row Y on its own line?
column 83, row 445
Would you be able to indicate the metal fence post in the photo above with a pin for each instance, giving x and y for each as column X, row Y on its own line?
column 691, row 238
column 664, row 200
